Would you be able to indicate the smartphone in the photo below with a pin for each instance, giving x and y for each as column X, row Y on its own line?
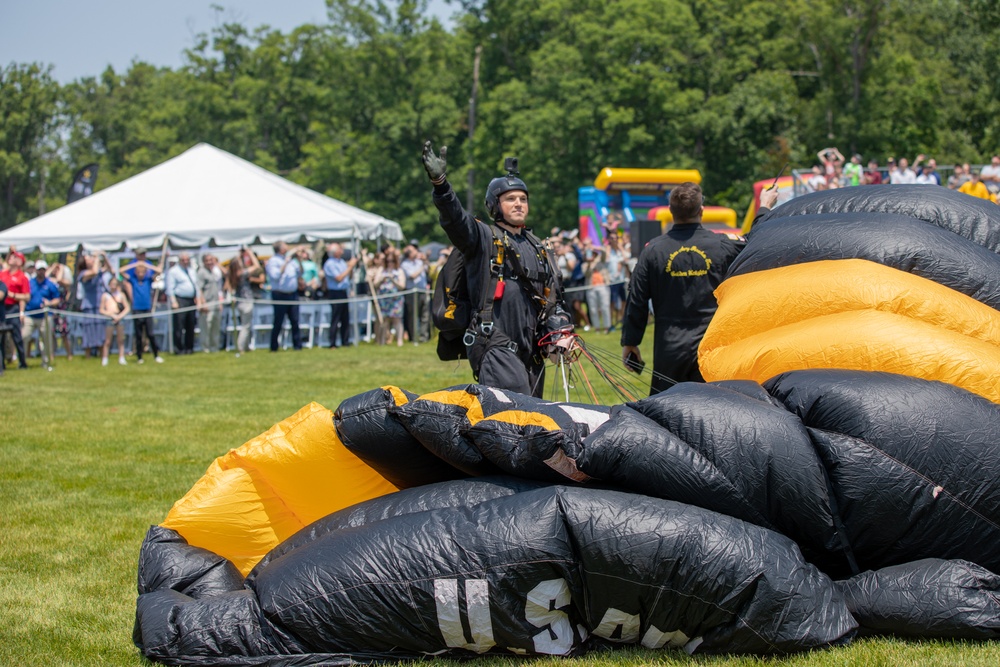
column 775, row 183
column 633, row 364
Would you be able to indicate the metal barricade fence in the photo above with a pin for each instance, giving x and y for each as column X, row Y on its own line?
column 314, row 321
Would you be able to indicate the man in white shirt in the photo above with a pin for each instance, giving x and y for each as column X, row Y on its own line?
column 182, row 289
column 990, row 175
column 283, row 272
column 816, row 181
column 904, row 175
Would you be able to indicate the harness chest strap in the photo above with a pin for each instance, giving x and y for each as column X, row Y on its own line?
column 490, row 295
column 540, row 289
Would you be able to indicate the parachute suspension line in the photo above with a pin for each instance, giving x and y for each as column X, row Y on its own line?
column 565, row 379
column 629, row 386
column 586, row 380
column 616, row 383
column 624, row 383
column 573, row 371
column 612, row 359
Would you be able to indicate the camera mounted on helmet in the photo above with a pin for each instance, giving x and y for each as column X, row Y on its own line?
column 501, row 185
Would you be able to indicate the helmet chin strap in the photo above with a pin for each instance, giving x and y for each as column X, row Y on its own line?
column 500, row 221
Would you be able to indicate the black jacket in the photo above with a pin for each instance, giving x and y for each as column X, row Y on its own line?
column 679, row 272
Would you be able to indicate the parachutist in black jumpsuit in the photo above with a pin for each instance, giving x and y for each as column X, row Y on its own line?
column 509, row 358
column 679, row 271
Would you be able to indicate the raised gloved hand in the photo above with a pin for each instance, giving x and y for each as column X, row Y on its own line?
column 435, row 165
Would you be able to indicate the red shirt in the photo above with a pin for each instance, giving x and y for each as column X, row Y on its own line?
column 17, row 283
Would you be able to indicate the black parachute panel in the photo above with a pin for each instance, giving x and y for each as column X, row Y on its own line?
column 927, row 598
column 900, row 242
column 970, row 217
column 913, row 464
column 485, row 431
column 366, row 427
column 410, row 501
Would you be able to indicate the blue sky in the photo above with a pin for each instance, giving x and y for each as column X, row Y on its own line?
column 82, row 38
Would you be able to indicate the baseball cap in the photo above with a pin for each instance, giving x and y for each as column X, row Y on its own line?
column 41, row 264
column 139, row 251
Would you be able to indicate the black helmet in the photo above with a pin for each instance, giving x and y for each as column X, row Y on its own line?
column 497, row 187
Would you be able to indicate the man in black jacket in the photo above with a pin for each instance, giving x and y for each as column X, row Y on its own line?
column 513, row 284
column 679, row 271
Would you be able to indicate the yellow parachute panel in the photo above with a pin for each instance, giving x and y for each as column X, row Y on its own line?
column 261, row 493
column 851, row 314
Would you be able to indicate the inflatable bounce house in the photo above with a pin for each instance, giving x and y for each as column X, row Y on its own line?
column 638, row 194
column 839, row 475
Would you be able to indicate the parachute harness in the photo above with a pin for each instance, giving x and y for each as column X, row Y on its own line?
column 535, row 283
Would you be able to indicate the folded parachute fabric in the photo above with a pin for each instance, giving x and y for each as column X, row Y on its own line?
column 367, row 427
column 261, row 493
column 914, row 466
column 972, row 218
column 927, row 598
column 710, row 517
column 873, row 278
column 851, row 314
column 895, row 241
column 538, row 572
column 474, row 429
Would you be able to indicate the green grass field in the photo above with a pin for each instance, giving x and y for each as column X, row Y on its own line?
column 90, row 457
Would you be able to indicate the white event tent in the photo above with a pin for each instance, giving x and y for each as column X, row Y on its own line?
column 203, row 197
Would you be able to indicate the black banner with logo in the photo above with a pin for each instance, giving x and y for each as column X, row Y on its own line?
column 83, row 183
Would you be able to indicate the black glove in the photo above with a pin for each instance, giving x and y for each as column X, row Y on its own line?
column 436, row 166
column 558, row 343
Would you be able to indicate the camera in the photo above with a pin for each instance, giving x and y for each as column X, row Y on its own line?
column 510, row 164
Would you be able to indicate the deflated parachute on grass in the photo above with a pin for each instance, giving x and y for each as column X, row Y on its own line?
column 904, row 279
column 710, row 517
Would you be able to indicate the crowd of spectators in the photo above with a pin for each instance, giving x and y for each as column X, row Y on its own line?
column 834, row 171
column 110, row 304
column 594, row 275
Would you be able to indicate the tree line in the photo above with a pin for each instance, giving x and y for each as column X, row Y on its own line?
column 735, row 88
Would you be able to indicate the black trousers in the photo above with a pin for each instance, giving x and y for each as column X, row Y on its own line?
column 414, row 315
column 14, row 331
column 495, row 364
column 675, row 354
column 142, row 323
column 289, row 309
column 340, row 318
column 184, row 324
